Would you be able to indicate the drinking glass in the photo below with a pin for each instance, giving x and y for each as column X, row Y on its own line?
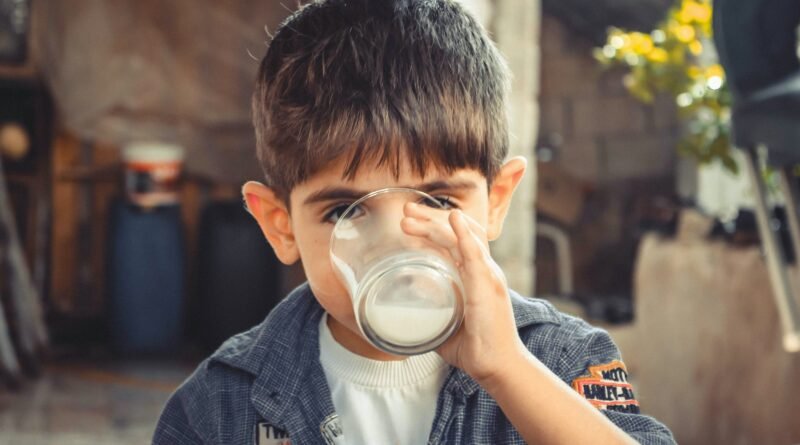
column 407, row 295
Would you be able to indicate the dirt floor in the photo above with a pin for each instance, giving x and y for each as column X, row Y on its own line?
column 90, row 403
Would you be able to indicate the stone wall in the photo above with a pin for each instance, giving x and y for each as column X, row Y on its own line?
column 599, row 132
column 623, row 153
column 515, row 29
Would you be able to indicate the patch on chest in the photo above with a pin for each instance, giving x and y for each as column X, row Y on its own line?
column 267, row 434
column 607, row 387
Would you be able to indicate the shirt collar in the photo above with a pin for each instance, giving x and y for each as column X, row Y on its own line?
column 276, row 338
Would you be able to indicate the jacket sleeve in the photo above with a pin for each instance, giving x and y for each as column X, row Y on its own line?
column 182, row 420
column 591, row 363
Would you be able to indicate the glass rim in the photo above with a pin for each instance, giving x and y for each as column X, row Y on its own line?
column 373, row 194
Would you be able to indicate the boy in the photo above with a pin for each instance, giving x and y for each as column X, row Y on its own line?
column 354, row 96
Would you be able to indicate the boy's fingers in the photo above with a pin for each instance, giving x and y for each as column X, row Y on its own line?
column 468, row 243
column 439, row 227
column 427, row 213
column 417, row 211
column 476, row 228
column 473, row 230
column 438, row 233
column 477, row 260
column 430, row 230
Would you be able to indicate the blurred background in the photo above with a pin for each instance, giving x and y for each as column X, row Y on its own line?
column 126, row 256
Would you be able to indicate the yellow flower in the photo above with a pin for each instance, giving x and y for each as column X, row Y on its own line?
column 696, row 47
column 715, row 71
column 658, row 55
column 641, row 43
column 685, row 33
column 692, row 11
column 703, row 13
column 693, row 71
column 683, row 15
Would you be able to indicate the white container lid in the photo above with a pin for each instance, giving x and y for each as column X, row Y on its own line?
column 152, row 152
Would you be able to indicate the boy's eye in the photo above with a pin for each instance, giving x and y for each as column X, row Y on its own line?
column 445, row 201
column 333, row 215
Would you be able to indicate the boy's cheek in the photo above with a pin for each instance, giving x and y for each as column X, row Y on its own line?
column 338, row 306
column 329, row 291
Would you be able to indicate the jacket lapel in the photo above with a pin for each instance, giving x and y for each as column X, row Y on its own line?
column 290, row 390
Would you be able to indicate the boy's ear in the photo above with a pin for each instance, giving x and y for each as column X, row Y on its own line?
column 273, row 217
column 502, row 188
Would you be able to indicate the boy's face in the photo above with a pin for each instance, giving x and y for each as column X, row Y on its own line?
column 316, row 204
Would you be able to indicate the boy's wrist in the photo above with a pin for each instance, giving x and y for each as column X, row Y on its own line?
column 508, row 372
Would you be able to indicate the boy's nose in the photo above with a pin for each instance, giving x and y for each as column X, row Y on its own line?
column 386, row 216
column 386, row 213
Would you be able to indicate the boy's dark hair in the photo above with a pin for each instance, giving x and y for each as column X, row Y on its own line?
column 372, row 79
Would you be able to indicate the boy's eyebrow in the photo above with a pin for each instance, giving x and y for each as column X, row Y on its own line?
column 333, row 193
column 455, row 184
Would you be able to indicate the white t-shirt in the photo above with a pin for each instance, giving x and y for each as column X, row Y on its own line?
column 381, row 402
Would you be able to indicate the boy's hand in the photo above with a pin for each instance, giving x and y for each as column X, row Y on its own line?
column 488, row 339
column 488, row 348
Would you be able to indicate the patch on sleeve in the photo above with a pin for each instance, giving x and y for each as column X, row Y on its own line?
column 607, row 387
column 267, row 434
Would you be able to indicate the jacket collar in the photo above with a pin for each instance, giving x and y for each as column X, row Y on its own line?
column 283, row 354
column 531, row 311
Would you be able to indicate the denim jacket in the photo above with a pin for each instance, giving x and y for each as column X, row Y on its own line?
column 266, row 385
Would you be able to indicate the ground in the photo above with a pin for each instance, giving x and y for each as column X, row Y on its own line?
column 80, row 403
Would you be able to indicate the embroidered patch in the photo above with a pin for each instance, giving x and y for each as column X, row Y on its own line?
column 607, row 387
column 331, row 429
column 267, row 434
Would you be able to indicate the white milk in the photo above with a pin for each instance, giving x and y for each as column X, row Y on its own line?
column 406, row 325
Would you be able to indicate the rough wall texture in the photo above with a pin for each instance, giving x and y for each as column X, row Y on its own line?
column 621, row 150
column 705, row 350
column 598, row 131
column 515, row 28
column 179, row 71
